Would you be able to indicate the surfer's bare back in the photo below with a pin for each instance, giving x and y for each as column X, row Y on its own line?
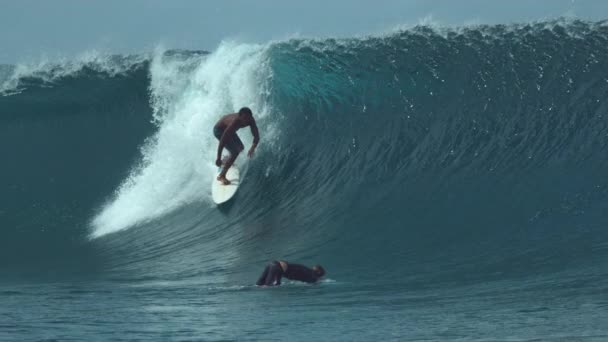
column 225, row 131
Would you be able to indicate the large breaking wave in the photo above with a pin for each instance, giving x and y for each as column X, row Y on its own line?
column 474, row 152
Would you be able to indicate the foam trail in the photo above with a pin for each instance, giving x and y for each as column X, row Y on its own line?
column 188, row 96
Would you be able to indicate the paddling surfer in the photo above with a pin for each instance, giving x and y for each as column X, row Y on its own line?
column 277, row 269
column 225, row 131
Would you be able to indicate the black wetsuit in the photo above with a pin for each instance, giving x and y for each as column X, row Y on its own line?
column 272, row 275
column 273, row 272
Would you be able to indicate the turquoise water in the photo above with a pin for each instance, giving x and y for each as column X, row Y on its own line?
column 451, row 181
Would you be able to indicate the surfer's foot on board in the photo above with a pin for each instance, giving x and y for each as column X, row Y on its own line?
column 223, row 180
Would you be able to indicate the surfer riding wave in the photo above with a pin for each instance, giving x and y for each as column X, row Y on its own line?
column 225, row 131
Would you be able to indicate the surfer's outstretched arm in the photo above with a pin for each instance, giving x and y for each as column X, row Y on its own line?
column 256, row 137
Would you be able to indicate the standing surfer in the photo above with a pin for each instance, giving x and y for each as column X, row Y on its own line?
column 225, row 131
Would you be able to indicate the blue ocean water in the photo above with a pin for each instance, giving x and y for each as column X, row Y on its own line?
column 451, row 181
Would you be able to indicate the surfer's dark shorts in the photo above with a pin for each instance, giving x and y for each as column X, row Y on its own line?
column 234, row 145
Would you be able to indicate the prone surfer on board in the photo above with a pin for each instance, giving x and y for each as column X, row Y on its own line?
column 225, row 131
column 277, row 269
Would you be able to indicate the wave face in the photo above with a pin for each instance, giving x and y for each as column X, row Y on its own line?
column 457, row 155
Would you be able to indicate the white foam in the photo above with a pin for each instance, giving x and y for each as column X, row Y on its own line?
column 188, row 97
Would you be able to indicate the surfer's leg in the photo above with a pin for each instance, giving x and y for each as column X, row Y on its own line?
column 237, row 143
column 274, row 274
column 217, row 132
column 262, row 279
column 222, row 176
column 234, row 146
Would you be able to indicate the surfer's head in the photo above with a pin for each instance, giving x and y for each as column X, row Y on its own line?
column 319, row 270
column 245, row 111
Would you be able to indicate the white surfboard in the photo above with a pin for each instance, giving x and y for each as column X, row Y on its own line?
column 222, row 193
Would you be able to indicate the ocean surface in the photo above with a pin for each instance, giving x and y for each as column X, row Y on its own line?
column 452, row 181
